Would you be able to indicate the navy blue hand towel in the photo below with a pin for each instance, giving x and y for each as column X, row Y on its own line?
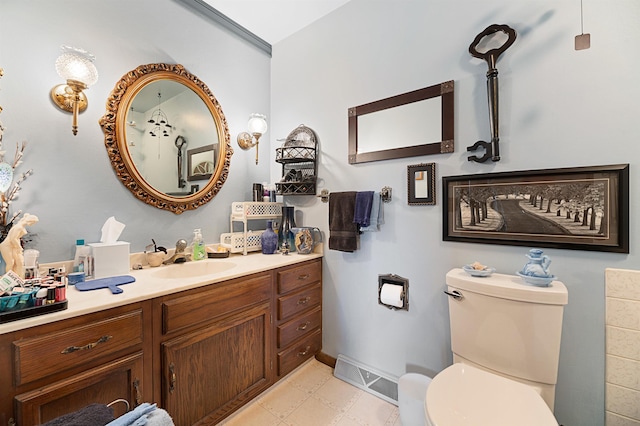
column 362, row 213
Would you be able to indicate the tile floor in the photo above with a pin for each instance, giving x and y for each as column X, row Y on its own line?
column 312, row 396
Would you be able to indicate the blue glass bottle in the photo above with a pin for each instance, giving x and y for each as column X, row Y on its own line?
column 269, row 239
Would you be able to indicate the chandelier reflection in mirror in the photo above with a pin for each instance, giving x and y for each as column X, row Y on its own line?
column 159, row 121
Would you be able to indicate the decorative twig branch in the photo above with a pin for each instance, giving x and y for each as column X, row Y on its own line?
column 7, row 197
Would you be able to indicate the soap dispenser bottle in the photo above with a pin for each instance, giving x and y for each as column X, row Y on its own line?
column 198, row 251
column 80, row 258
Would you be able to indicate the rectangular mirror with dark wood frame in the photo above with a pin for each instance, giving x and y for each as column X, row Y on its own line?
column 420, row 122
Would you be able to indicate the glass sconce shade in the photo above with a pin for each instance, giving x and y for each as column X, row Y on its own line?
column 257, row 124
column 77, row 65
column 257, row 127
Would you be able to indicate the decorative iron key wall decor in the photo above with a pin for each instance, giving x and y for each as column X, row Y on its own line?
column 481, row 48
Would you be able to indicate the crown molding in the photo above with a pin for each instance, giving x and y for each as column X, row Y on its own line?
column 206, row 10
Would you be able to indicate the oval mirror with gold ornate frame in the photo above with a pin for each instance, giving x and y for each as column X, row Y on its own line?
column 150, row 143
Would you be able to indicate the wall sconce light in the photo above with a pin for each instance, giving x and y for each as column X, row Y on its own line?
column 76, row 67
column 257, row 127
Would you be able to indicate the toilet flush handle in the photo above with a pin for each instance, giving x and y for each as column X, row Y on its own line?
column 455, row 294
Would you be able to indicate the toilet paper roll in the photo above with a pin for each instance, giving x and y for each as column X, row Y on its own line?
column 391, row 294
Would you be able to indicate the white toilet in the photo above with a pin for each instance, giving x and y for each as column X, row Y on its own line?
column 505, row 338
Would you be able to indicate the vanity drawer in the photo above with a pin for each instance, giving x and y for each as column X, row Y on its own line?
column 203, row 306
column 294, row 303
column 300, row 276
column 295, row 355
column 41, row 356
column 299, row 326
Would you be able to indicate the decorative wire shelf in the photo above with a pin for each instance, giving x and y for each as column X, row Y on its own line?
column 296, row 188
column 298, row 157
column 294, row 154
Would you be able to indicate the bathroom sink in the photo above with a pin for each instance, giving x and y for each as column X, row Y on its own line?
column 192, row 269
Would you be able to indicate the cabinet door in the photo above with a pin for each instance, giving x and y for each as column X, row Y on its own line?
column 120, row 379
column 210, row 372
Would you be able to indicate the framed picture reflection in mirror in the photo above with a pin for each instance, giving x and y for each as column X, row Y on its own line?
column 201, row 162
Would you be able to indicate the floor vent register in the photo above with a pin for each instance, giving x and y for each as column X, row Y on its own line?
column 368, row 379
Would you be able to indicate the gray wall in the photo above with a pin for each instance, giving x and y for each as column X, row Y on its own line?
column 558, row 108
column 74, row 189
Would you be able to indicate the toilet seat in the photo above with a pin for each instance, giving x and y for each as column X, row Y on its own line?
column 462, row 395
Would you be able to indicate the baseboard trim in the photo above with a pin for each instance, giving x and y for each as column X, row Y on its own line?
column 326, row 359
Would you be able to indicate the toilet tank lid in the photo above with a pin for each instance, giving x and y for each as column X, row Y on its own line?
column 509, row 287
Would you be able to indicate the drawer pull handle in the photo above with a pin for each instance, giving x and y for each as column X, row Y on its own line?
column 304, row 326
column 305, row 351
column 72, row 349
column 172, row 378
column 303, row 277
column 304, row 300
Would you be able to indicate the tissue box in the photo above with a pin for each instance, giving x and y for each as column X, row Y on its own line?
column 110, row 259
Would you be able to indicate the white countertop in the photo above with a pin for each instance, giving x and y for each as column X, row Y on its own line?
column 147, row 286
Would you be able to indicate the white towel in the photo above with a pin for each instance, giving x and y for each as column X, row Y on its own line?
column 159, row 417
column 377, row 214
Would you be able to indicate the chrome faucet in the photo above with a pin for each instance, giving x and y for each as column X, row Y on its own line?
column 179, row 256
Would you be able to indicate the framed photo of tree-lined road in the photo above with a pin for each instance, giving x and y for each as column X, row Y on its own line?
column 580, row 208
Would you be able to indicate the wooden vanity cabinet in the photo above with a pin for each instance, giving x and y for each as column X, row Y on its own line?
column 214, row 348
column 200, row 354
column 58, row 368
column 299, row 314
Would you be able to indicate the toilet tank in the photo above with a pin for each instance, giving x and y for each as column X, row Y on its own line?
column 505, row 325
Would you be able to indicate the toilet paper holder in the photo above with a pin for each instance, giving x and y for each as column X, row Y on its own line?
column 393, row 279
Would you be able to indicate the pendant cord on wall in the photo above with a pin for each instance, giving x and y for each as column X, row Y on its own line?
column 582, row 41
column 581, row 19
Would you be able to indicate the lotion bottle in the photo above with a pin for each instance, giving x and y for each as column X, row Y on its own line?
column 198, row 251
column 78, row 263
